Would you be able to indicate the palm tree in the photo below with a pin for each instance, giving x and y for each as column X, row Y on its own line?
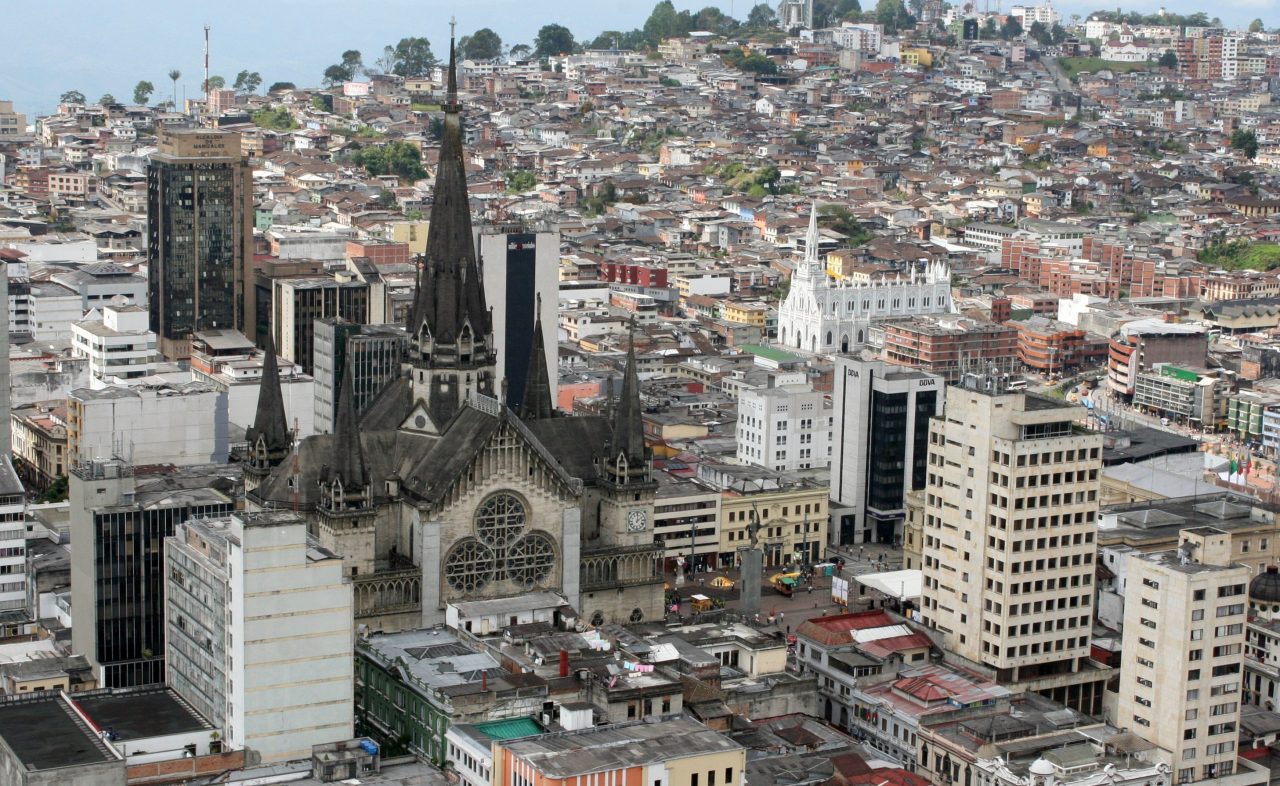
column 174, row 76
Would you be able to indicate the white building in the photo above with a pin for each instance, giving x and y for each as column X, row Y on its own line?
column 258, row 632
column 118, row 344
column 13, row 535
column 1028, row 15
column 795, row 13
column 1115, row 51
column 879, row 446
column 1262, row 645
column 150, row 423
column 1183, row 655
column 45, row 310
column 859, row 36
column 822, row 314
column 784, row 428
column 232, row 364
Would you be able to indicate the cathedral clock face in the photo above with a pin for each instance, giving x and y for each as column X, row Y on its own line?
column 635, row 521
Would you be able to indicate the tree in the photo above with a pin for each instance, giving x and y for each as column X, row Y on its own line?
column 665, row 22
column 1245, row 141
column 1057, row 34
column 713, row 20
column 277, row 87
column 1011, row 29
column 386, row 199
column 336, row 74
column 215, row 83
column 352, row 64
column 520, row 181
column 247, row 82
column 1255, row 26
column 893, row 15
column 174, row 76
column 520, row 51
column 278, row 119
column 761, row 16
column 107, row 99
column 72, row 97
column 553, row 40
column 830, row 12
column 1040, row 33
column 397, row 158
column 409, row 57
column 1169, row 59
column 483, row 44
column 142, row 92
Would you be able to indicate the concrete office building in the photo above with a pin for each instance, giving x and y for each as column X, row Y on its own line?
column 231, row 363
column 119, row 520
column 879, row 446
column 13, row 551
column 199, row 237
column 258, row 630
column 784, row 428
column 1182, row 662
column 374, row 352
column 298, row 302
column 1011, row 502
column 519, row 264
column 150, row 423
column 117, row 343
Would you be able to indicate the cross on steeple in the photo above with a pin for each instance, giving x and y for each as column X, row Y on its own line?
column 453, row 27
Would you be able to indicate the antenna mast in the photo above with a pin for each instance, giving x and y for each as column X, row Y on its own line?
column 206, row 65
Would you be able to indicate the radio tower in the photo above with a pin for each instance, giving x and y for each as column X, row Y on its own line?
column 206, row 65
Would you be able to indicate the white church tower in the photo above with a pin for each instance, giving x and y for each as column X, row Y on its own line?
column 821, row 314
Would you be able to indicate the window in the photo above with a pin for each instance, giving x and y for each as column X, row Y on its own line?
column 693, row 779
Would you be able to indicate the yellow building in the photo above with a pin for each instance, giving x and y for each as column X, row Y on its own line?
column 918, row 56
column 793, row 523
column 746, row 313
column 1098, row 150
column 412, row 233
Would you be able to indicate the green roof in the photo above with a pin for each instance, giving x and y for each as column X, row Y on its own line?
column 769, row 353
column 510, row 729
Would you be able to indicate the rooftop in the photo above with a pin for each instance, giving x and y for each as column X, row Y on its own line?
column 616, row 747
column 45, row 733
column 434, row 656
column 136, row 715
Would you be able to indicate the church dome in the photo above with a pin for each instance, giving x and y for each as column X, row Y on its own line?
column 1265, row 587
column 1042, row 768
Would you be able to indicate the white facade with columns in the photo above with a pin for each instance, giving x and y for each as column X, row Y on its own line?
column 822, row 314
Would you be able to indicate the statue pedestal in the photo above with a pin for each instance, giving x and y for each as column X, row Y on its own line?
column 752, row 562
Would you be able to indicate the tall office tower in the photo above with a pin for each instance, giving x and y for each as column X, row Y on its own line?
column 879, row 446
column 199, row 238
column 119, row 521
column 1182, row 662
column 374, row 351
column 521, row 273
column 1011, row 503
column 259, row 629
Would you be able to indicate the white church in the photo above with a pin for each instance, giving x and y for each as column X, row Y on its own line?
column 823, row 314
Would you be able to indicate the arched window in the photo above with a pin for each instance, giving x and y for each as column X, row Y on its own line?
column 828, row 343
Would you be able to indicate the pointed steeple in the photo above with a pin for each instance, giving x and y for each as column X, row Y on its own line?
column 347, row 462
column 269, row 433
column 628, row 425
column 537, row 404
column 450, row 294
column 811, row 239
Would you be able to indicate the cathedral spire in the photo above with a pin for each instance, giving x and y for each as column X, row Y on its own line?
column 628, row 425
column 537, row 404
column 270, row 425
column 347, row 463
column 450, row 295
column 811, row 238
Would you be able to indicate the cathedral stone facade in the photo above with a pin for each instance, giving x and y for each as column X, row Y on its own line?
column 440, row 499
column 821, row 314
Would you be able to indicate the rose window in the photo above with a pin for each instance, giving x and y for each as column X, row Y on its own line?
column 501, row 549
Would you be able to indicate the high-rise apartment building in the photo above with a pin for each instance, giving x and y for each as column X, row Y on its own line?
column 879, row 446
column 1182, row 662
column 199, row 237
column 374, row 352
column 521, row 268
column 119, row 520
column 258, row 625
column 1011, row 503
column 297, row 303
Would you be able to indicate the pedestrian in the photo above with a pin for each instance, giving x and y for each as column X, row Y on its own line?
column 810, row 589
column 782, row 615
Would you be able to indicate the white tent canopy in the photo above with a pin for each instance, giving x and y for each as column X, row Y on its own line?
column 900, row 584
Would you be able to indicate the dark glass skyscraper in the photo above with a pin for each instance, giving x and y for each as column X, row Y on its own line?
column 200, row 238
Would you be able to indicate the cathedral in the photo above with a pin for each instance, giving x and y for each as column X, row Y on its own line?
column 441, row 499
column 821, row 314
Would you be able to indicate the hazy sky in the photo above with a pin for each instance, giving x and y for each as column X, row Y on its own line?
column 98, row 47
